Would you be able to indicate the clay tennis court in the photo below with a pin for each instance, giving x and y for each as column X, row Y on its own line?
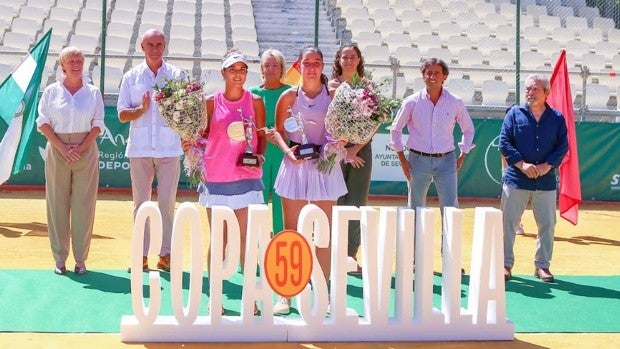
column 590, row 248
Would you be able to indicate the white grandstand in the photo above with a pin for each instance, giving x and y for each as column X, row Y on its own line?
column 476, row 38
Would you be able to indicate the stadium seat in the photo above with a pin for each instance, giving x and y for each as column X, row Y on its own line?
column 494, row 20
column 376, row 54
column 187, row 18
column 248, row 47
column 563, row 34
column 407, row 55
column 388, row 27
column 501, row 59
column 119, row 29
column 213, row 48
column 396, row 40
column 576, row 24
column 605, row 24
column 532, row 60
column 505, row 32
column 488, row 44
column 448, row 29
column 383, row 15
column 457, row 42
column 410, row 15
column 86, row 43
column 367, row 38
column 426, row 41
column 468, row 57
column 72, row 4
column 563, row 12
column 19, row 41
column 462, row 88
column 419, row 28
column 477, row 31
column 591, row 35
column 594, row 61
column 244, row 33
column 117, row 44
column 442, row 53
column 43, row 4
column 494, row 92
column 183, row 47
column 590, row 13
column 548, row 23
column 213, row 32
column 548, row 47
column 533, row 33
column 121, row 16
column 184, row 6
column 536, row 11
column 597, row 96
column 606, row 49
column 64, row 14
column 577, row 47
column 484, row 8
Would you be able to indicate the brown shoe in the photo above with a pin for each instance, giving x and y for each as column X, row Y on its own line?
column 544, row 274
column 164, row 263
column 507, row 273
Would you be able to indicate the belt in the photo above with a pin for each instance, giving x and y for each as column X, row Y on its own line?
column 435, row 155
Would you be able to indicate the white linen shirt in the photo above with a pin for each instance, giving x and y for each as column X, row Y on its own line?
column 67, row 113
column 149, row 136
column 431, row 126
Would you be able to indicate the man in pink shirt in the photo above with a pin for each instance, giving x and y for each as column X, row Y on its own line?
column 430, row 116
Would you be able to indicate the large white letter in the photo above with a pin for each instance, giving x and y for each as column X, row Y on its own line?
column 187, row 212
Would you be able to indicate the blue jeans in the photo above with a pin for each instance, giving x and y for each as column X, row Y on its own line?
column 513, row 204
column 442, row 171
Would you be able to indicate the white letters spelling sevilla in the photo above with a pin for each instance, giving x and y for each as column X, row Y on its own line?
column 387, row 243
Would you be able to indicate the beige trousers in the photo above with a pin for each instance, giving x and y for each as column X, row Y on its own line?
column 71, row 196
column 167, row 172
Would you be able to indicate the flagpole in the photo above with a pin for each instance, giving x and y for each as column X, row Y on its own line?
column 104, row 10
column 316, row 23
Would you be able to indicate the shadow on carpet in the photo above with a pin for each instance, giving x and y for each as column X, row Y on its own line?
column 40, row 301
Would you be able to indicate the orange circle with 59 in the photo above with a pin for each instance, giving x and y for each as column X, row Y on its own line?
column 288, row 263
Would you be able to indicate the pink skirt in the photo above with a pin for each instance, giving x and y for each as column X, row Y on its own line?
column 304, row 182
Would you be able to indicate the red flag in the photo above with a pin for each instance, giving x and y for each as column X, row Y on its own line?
column 293, row 74
column 561, row 99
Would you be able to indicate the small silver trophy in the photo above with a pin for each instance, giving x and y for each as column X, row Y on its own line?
column 248, row 158
column 296, row 123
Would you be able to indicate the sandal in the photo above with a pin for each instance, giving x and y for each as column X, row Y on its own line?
column 60, row 270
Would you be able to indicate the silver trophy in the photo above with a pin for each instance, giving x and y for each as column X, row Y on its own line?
column 296, row 123
column 244, row 130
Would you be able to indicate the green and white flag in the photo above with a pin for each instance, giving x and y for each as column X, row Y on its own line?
column 19, row 98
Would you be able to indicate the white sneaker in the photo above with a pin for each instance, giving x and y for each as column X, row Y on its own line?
column 282, row 306
column 519, row 230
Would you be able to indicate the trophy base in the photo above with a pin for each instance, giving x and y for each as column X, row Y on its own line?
column 307, row 151
column 248, row 160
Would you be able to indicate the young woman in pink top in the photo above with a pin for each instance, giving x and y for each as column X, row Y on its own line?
column 235, row 115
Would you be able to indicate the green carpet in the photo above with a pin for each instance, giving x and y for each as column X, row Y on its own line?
column 39, row 301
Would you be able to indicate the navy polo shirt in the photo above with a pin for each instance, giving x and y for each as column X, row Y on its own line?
column 523, row 138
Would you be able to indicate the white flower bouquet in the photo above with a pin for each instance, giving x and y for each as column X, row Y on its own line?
column 355, row 113
column 182, row 107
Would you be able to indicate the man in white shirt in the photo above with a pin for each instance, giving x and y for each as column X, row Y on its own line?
column 153, row 148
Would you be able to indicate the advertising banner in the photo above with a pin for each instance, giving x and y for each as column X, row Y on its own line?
column 598, row 145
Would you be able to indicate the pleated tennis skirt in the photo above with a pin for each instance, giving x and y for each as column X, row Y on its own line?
column 304, row 182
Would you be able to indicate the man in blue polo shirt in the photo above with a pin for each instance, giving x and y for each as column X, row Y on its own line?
column 534, row 141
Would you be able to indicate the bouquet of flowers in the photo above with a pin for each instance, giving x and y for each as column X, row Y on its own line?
column 182, row 107
column 355, row 113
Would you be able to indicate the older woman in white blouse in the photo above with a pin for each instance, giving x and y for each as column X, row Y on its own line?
column 71, row 116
